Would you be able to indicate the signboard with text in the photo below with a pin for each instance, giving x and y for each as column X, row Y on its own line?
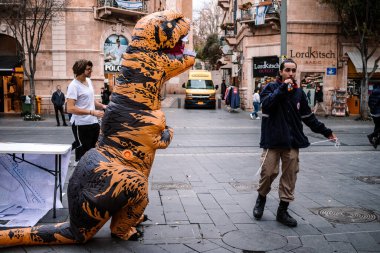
column 265, row 66
column 114, row 47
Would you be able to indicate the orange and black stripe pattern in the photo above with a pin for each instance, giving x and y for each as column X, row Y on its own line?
column 110, row 181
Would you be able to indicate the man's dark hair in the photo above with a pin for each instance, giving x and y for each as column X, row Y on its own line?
column 80, row 66
column 282, row 65
column 289, row 60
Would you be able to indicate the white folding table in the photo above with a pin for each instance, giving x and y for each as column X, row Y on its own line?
column 18, row 150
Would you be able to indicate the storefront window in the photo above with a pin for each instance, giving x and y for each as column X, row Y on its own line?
column 309, row 81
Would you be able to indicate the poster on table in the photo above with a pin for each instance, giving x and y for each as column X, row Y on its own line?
column 26, row 191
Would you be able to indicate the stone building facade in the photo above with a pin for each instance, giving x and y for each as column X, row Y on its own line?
column 252, row 45
column 96, row 30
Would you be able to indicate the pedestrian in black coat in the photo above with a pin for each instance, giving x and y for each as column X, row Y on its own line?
column 58, row 99
column 374, row 106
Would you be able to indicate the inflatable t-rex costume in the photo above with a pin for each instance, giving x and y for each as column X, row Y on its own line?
column 111, row 180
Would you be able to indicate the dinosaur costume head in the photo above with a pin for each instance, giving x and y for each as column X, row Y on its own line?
column 111, row 180
column 151, row 59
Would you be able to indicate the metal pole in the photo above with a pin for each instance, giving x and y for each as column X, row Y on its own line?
column 284, row 23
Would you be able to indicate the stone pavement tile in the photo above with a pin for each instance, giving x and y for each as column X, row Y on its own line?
column 154, row 198
column 317, row 221
column 155, row 215
column 222, row 197
column 294, row 242
column 225, row 246
column 219, row 250
column 363, row 241
column 201, row 189
column 193, row 205
column 249, row 226
column 139, row 247
column 234, row 208
column 176, row 248
column 195, row 217
column 203, row 246
column 222, row 177
column 316, row 242
column 305, row 250
column 240, row 218
column 209, row 231
column 187, row 194
column 276, row 227
column 225, row 228
column 345, row 247
column 208, row 201
column 219, row 217
column 375, row 236
column 155, row 234
column 305, row 229
column 103, row 246
column 173, row 217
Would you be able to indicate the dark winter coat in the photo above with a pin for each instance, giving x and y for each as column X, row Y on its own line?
column 58, row 99
column 374, row 102
column 319, row 95
column 283, row 112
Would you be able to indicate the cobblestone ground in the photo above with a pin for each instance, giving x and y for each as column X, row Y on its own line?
column 202, row 189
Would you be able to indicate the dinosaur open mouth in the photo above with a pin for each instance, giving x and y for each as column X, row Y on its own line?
column 179, row 48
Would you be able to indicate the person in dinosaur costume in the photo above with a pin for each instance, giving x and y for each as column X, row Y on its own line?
column 111, row 180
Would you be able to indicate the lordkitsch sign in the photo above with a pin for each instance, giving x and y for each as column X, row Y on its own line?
column 265, row 66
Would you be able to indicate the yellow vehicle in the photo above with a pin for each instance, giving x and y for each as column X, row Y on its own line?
column 200, row 90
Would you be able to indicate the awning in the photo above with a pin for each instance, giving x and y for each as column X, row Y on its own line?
column 231, row 41
column 356, row 59
column 227, row 66
column 8, row 64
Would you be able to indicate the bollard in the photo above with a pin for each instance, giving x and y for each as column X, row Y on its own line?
column 219, row 103
column 179, row 102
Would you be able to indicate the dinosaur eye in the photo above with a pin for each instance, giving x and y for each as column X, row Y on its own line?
column 169, row 25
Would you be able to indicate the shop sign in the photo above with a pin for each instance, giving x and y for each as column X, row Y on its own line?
column 331, row 71
column 312, row 54
column 114, row 47
column 265, row 66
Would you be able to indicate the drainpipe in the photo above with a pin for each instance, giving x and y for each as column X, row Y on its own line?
column 284, row 23
column 235, row 23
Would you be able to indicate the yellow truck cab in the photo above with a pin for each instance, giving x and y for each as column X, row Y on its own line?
column 200, row 90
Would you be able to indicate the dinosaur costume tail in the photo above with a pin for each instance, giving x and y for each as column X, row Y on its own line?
column 38, row 235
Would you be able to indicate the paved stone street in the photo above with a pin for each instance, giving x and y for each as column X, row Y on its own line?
column 202, row 189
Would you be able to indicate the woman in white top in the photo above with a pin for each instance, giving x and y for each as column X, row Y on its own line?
column 256, row 104
column 81, row 103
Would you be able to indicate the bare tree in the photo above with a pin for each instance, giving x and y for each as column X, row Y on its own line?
column 206, row 22
column 361, row 24
column 28, row 21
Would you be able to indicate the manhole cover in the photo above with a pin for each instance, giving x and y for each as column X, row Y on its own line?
column 254, row 241
column 171, row 186
column 369, row 179
column 347, row 215
column 250, row 186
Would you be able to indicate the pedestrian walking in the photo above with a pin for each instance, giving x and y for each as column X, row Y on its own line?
column 58, row 100
column 105, row 95
column 82, row 104
column 223, row 89
column 284, row 108
column 319, row 100
column 256, row 104
column 374, row 106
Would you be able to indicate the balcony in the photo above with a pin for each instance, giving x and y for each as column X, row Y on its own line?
column 272, row 15
column 224, row 4
column 120, row 10
column 7, row 7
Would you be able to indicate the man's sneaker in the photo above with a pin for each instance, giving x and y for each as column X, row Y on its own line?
column 251, row 116
column 257, row 117
column 370, row 139
column 375, row 141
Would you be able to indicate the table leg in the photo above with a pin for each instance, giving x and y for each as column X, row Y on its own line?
column 55, row 185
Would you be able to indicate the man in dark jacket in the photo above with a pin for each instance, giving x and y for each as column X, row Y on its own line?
column 374, row 106
column 58, row 99
column 284, row 108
